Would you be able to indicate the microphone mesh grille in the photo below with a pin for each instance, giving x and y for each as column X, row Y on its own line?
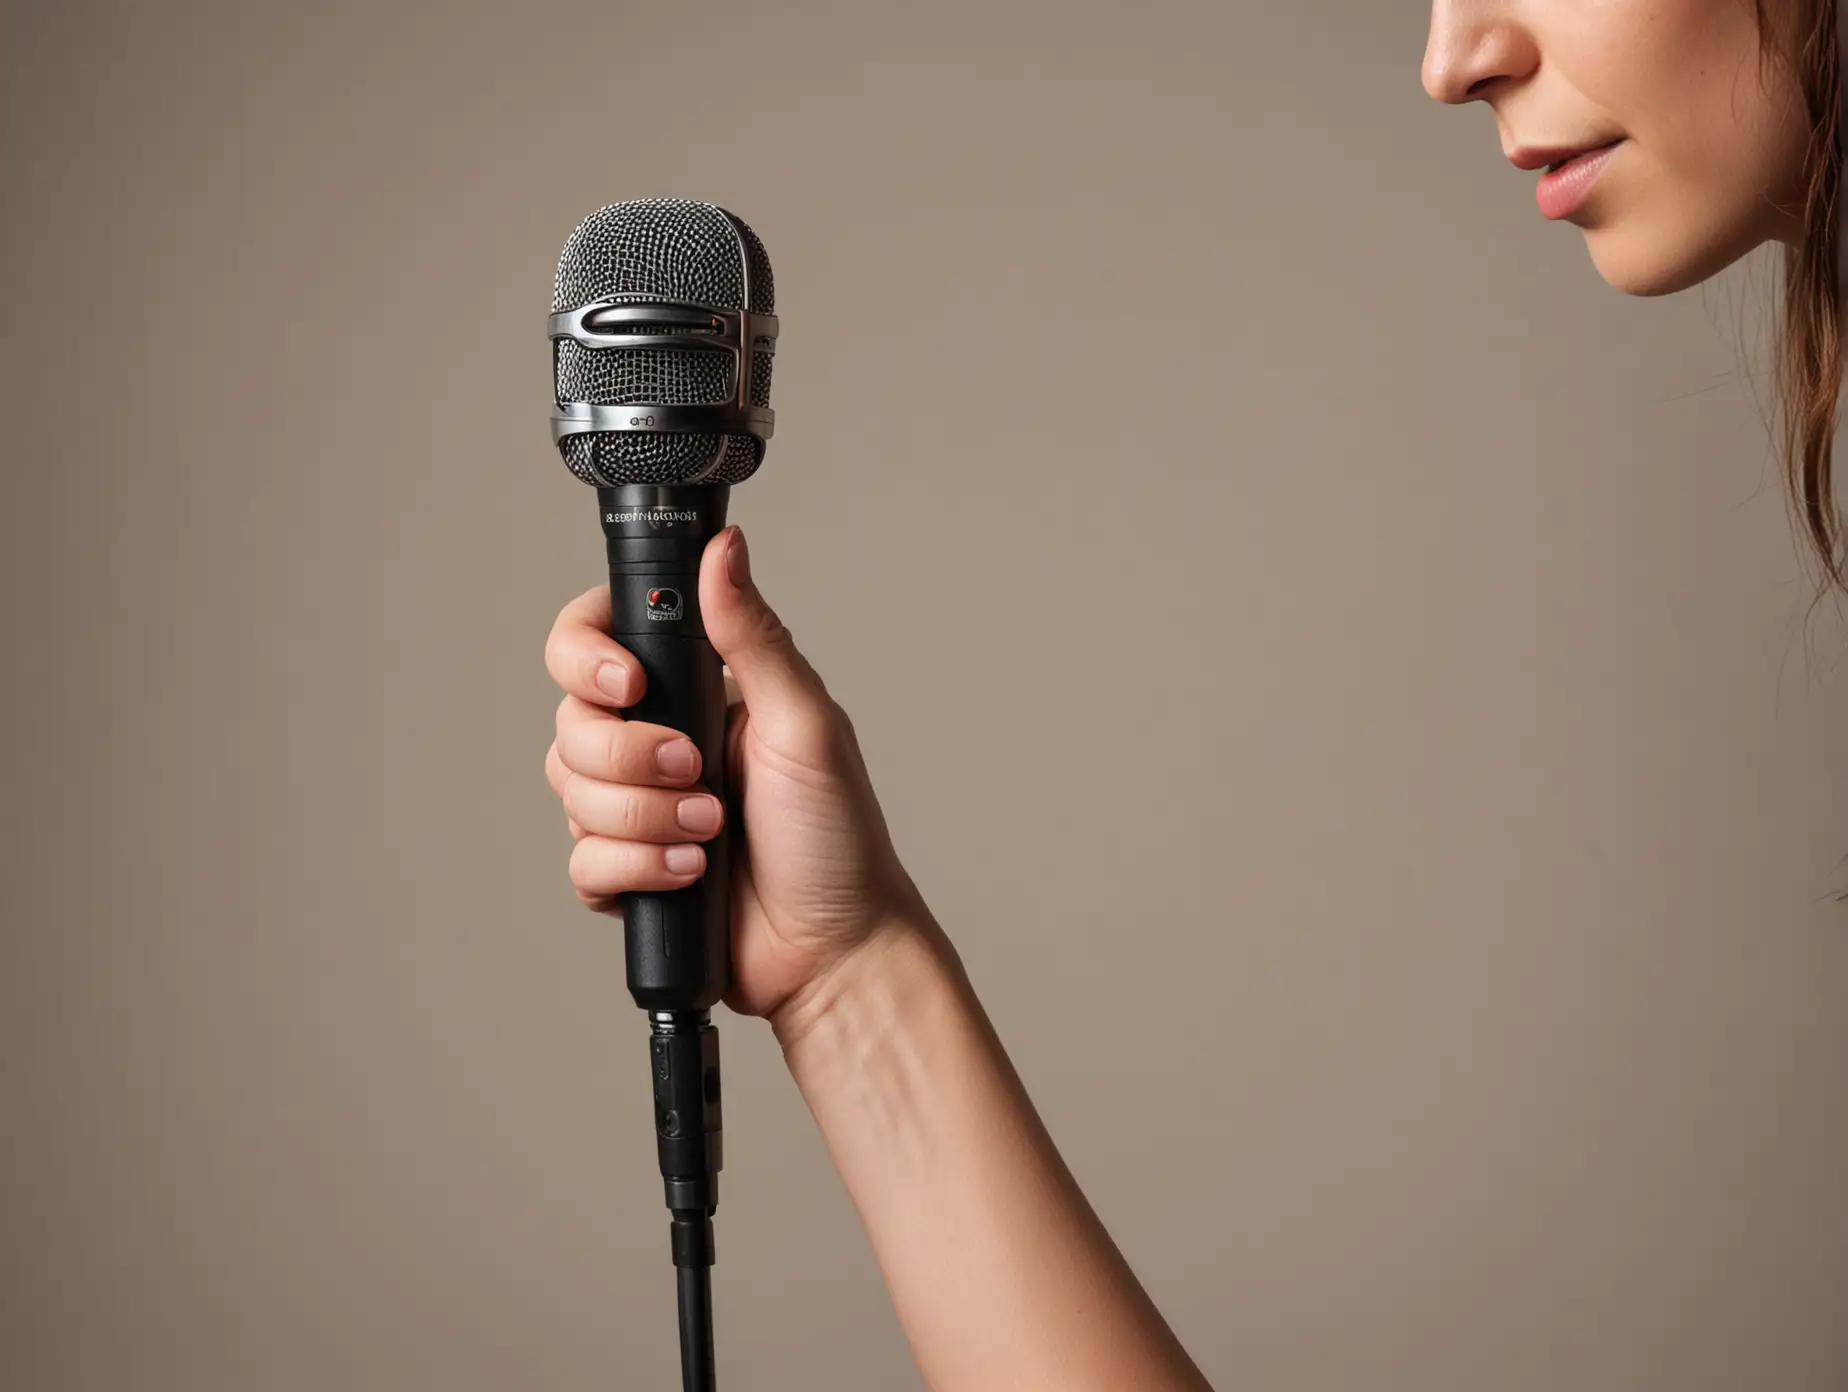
column 662, row 248
column 606, row 460
column 760, row 378
column 634, row 376
column 659, row 249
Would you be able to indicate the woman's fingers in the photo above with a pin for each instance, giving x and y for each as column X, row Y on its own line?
column 583, row 658
column 601, row 867
column 657, row 815
column 599, row 744
column 626, row 786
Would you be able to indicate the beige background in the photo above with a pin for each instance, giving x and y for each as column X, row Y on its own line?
column 1387, row 791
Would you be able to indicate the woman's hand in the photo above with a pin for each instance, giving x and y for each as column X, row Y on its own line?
column 814, row 875
column 952, row 1171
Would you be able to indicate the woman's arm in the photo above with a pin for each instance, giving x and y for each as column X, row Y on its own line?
column 1002, row 1275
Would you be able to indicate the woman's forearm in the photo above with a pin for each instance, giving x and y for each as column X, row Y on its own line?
column 1002, row 1275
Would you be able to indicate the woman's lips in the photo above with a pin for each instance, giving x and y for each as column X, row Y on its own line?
column 1569, row 179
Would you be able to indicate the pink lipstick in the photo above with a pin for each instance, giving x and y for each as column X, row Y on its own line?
column 1571, row 174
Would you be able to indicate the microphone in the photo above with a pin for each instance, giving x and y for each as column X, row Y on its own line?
column 663, row 328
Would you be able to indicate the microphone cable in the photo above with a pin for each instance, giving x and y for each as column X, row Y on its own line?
column 684, row 1057
column 696, row 1374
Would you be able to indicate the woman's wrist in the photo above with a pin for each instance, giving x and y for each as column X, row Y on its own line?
column 894, row 969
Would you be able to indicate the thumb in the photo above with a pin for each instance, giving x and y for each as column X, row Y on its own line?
column 774, row 679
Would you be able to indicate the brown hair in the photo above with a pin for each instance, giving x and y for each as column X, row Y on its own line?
column 1809, row 340
column 1805, row 34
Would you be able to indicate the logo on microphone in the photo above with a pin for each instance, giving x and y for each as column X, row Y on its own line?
column 655, row 516
column 664, row 605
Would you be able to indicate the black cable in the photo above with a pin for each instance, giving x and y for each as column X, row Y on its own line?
column 696, row 1373
column 684, row 1052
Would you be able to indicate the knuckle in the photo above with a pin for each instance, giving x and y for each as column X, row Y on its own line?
column 561, row 718
column 614, row 749
column 571, row 799
column 555, row 650
column 598, row 866
column 586, row 666
column 578, row 868
column 631, row 816
column 821, row 726
column 771, row 631
column 570, row 747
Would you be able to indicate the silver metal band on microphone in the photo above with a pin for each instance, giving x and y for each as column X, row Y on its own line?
column 625, row 322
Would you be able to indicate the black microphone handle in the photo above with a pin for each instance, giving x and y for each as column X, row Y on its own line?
column 677, row 943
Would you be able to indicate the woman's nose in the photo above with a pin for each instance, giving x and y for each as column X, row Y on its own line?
column 1473, row 46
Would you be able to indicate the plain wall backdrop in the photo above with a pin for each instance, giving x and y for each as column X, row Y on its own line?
column 1340, row 672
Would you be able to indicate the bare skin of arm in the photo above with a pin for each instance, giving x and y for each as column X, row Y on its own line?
column 1001, row 1273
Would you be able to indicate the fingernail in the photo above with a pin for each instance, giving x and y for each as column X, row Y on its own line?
column 738, row 559
column 613, row 681
column 684, row 860
column 677, row 759
column 699, row 815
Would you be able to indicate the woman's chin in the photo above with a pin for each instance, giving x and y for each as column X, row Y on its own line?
column 1648, row 262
